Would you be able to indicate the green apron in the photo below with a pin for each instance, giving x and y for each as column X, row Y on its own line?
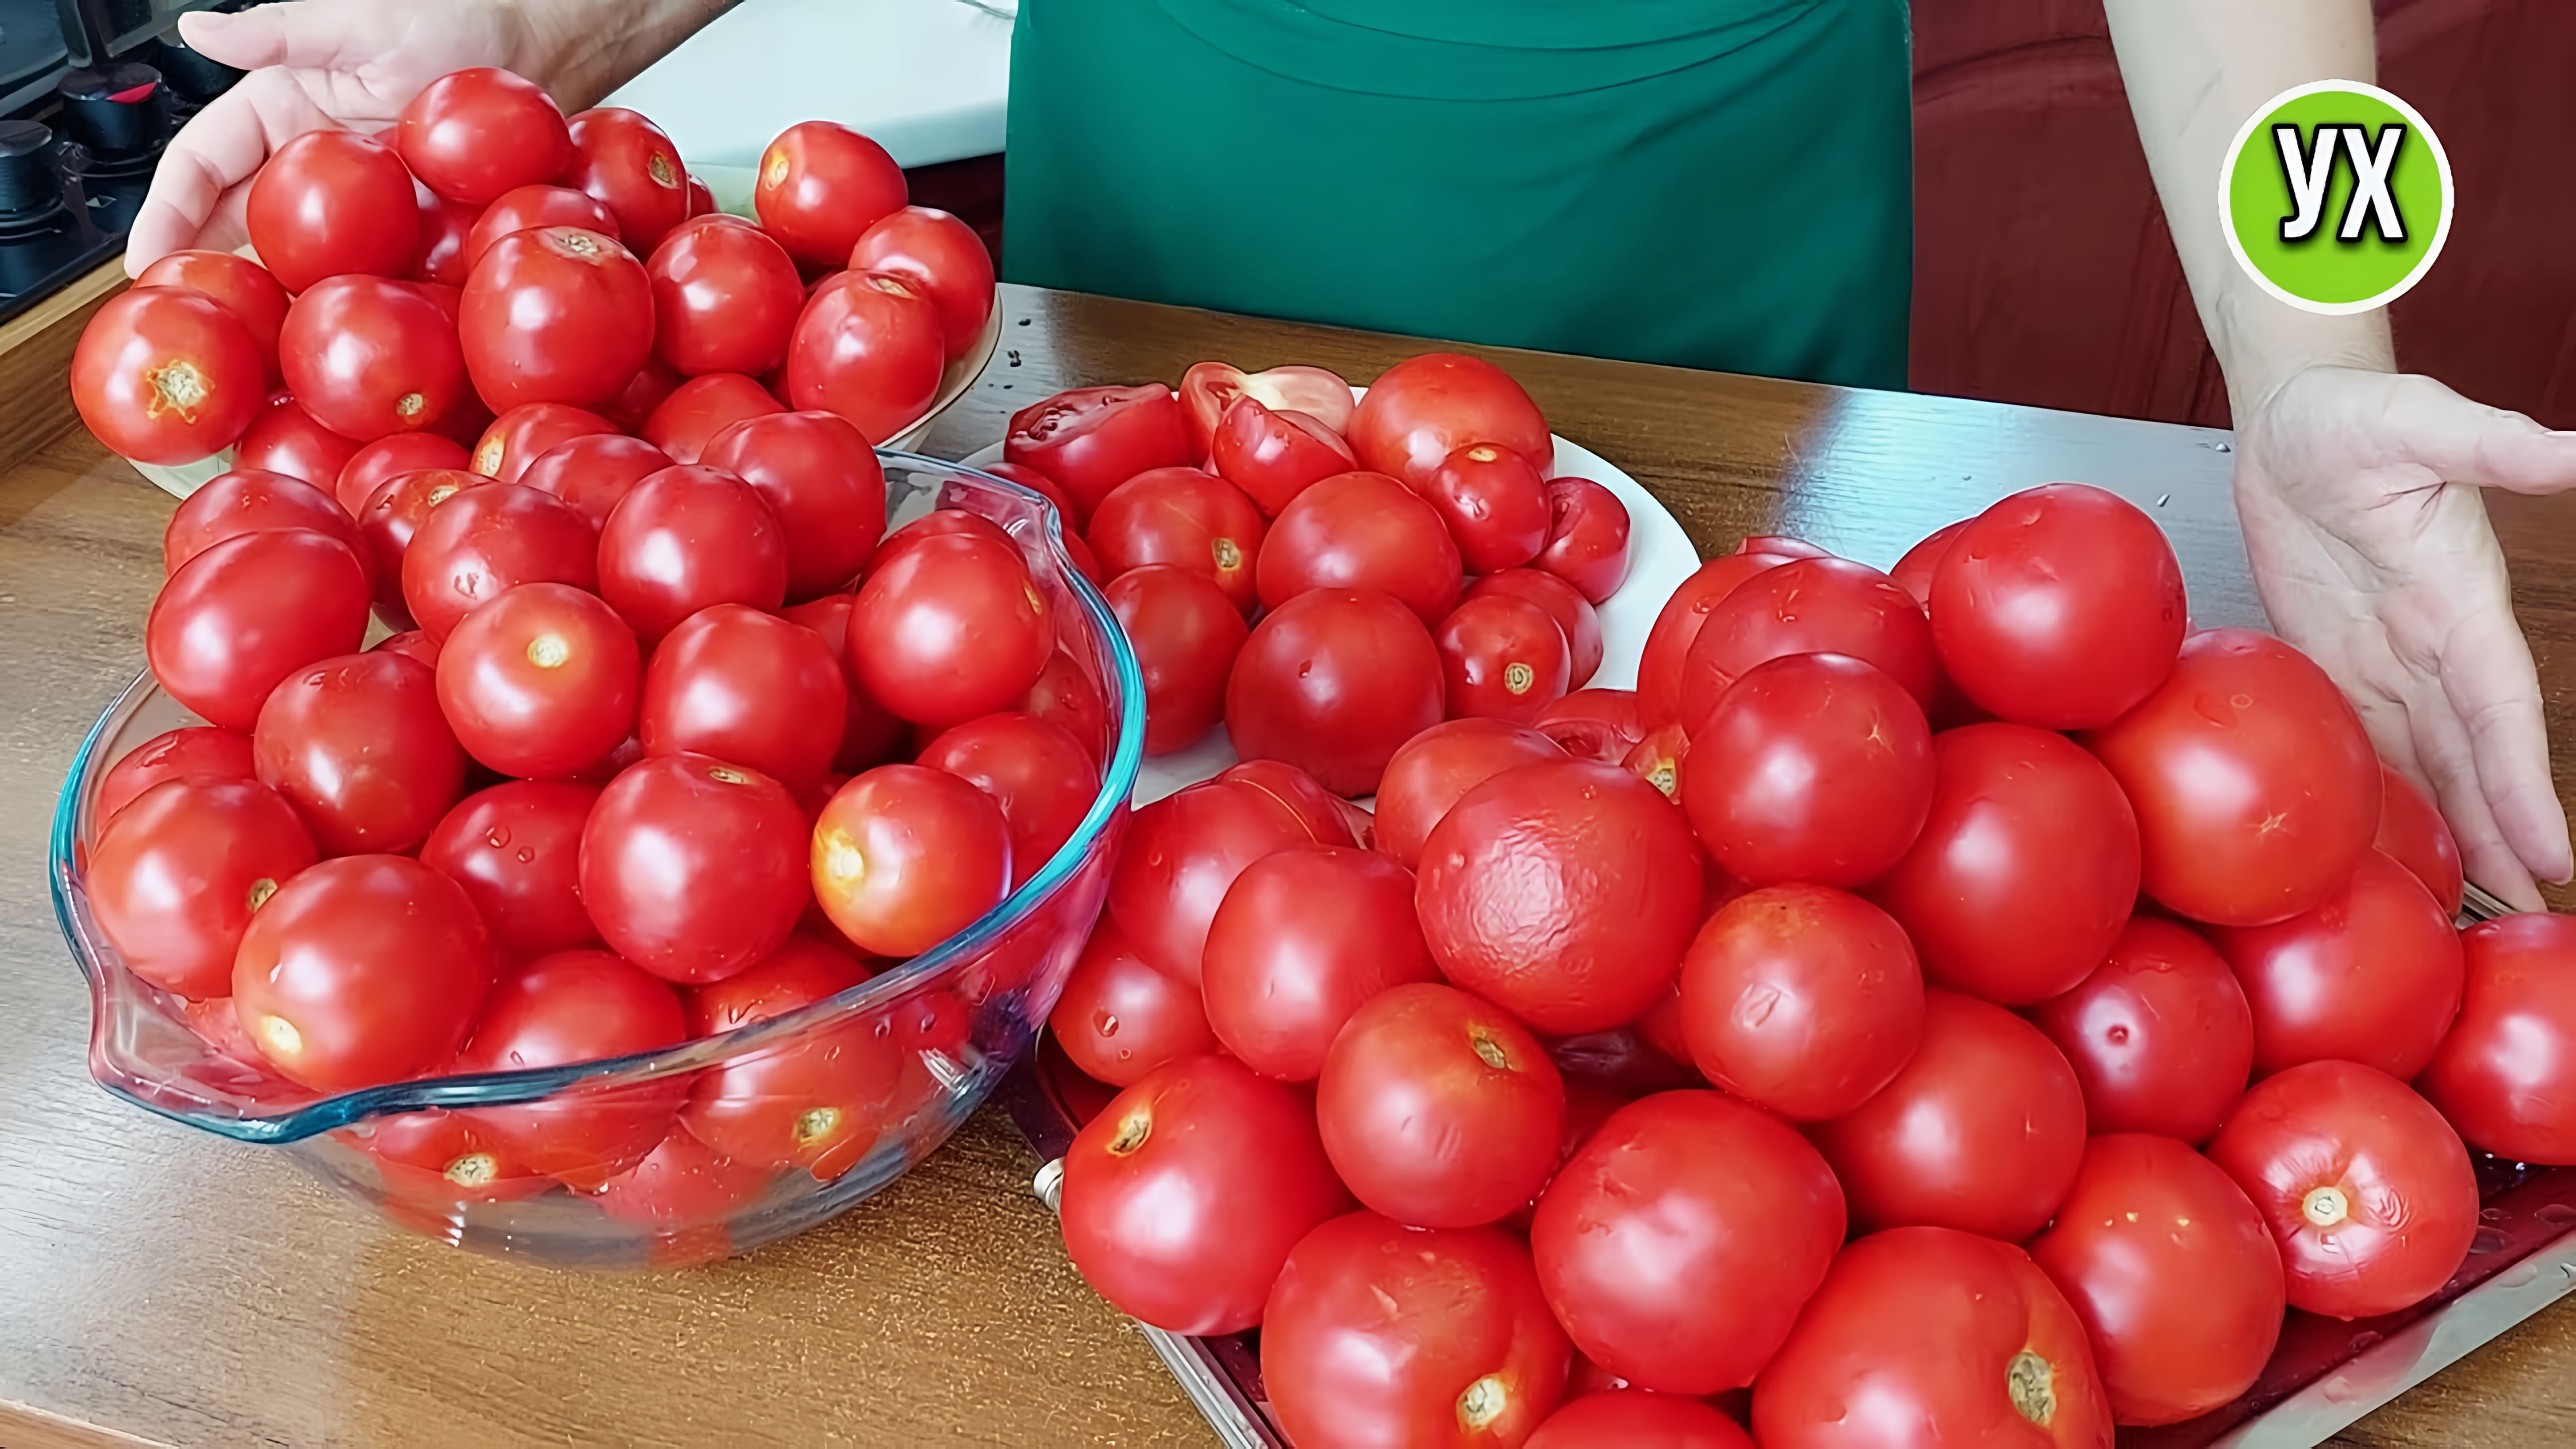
column 1708, row 183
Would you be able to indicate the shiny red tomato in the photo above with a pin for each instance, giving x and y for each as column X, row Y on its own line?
column 1068, row 693
column 1575, row 617
column 235, row 283
column 1424, row 408
column 1091, row 439
column 1587, row 537
column 2256, row 791
column 1563, row 892
column 1431, row 771
column 569, row 1007
column 904, row 857
column 686, row 1190
column 1809, row 606
column 2502, row 1076
column 1802, row 1000
column 1303, row 939
column 2173, row 1272
column 1036, row 771
column 2159, row 1034
column 868, row 348
column 2413, row 834
column 693, row 868
column 1332, row 681
column 1183, row 1197
column 870, row 733
column 633, row 169
column 821, row 187
column 1182, row 517
column 1210, row 389
column 684, row 422
column 1181, row 856
column 2366, row 1189
column 943, row 259
column 1120, row 1019
column 1677, row 628
column 1982, row 1130
column 556, row 314
column 950, row 629
column 332, row 202
column 1494, row 502
column 390, row 521
column 1362, row 531
column 685, row 539
column 1595, row 724
column 1678, row 1243
column 1329, row 818
column 283, row 438
column 369, row 357
column 1815, row 768
column 166, row 375
column 523, row 434
column 473, row 134
column 481, row 542
column 1275, row 455
column 1186, row 633
column 1501, row 658
column 1926, row 1336
column 232, row 504
column 436, row 1157
column 592, row 472
column 1437, row 1110
column 247, row 612
column 410, row 644
column 702, row 198
column 817, row 1100
column 438, row 254
column 357, row 745
column 2371, row 974
column 516, row 849
column 2060, row 607
column 650, row 387
column 1913, row 573
column 540, row 682
column 388, row 458
column 526, row 208
column 178, row 873
column 2026, row 869
column 188, row 753
column 725, row 298
column 1637, row 1419
column 360, row 971
column 748, row 688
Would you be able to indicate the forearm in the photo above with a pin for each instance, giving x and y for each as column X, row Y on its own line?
column 2195, row 69
column 584, row 49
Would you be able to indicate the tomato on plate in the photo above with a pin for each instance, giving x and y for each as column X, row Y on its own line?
column 1425, row 408
column 388, row 458
column 1502, row 657
column 2414, row 834
column 481, row 542
column 1182, row 517
column 1209, row 389
column 249, row 611
column 557, row 314
column 2371, row 974
column 1808, row 606
column 592, row 472
column 516, row 849
column 1333, row 681
column 1091, row 439
column 565, row 1008
column 1361, row 531
column 541, row 681
column 693, row 868
column 685, row 539
column 2159, row 1034
column 1182, row 854
column 1574, row 615
column 944, row 260
column 1816, row 768
column 1303, row 938
column 821, row 187
column 166, row 375
column 1186, row 634
column 629, row 166
column 949, row 629
column 1637, row 1419
column 1678, row 625
column 1119, row 1019
column 330, row 202
column 1274, row 455
column 817, row 1099
column 1494, row 501
column 904, row 857
column 1036, row 771
column 523, row 434
column 233, row 282
column 1801, row 1000
column 1430, row 772
column 867, row 347
column 232, row 504
column 2505, row 1076
column 177, row 875
column 690, row 416
column 748, row 688
column 1437, row 1110
column 187, row 753
column 472, row 134
column 526, row 208
column 357, row 745
column 1587, row 537
column 1594, row 724
column 725, row 298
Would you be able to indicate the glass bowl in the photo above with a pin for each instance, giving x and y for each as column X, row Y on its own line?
column 955, row 1018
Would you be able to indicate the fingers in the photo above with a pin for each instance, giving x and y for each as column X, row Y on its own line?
column 309, row 33
column 218, row 150
column 2490, row 684
column 2468, row 442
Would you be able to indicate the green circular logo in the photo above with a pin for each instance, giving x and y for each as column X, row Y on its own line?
column 2336, row 197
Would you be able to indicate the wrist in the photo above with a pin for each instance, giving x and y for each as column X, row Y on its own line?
column 581, row 50
column 2262, row 343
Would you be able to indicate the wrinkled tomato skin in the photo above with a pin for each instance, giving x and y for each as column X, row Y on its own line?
column 526, row 208
column 2160, row 1034
column 693, row 868
column 1814, row 768
column 1275, row 455
column 540, row 682
column 690, row 416
column 2371, row 974
column 1678, row 626
column 943, row 259
column 685, row 539
column 1119, row 1019
column 2505, row 1076
column 821, row 187
column 386, row 459
column 1574, row 615
column 248, row 612
column 1186, row 634
column 1494, row 502
column 576, row 1006
column 903, row 857
column 187, row 753
column 557, row 314
column 1637, row 1419
column 1181, row 856
column 1091, row 439
column 1809, row 606
column 166, row 375
column 594, row 471
column 1182, row 517
column 473, row 134
column 822, row 480
column 725, row 298
column 516, row 849
column 235, row 283
column 868, row 348
column 949, row 629
column 1361, row 531
column 1431, row 771
column 1425, row 408
column 357, row 745
column 1333, row 681
column 1802, row 1000
column 178, row 875
column 251, row 502
column 283, row 438
column 2414, row 834
column 1304, row 938
column 631, row 167
column 1502, row 658
column 1438, row 1110
column 523, row 434
column 330, row 202
column 1587, row 537
column 483, row 542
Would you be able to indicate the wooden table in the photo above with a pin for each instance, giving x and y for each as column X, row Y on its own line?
column 161, row 1284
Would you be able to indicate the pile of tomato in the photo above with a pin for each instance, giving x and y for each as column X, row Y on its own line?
column 1960, row 1004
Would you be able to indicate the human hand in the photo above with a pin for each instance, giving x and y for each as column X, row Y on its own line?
column 2359, row 496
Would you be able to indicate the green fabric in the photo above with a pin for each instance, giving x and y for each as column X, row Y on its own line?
column 1709, row 183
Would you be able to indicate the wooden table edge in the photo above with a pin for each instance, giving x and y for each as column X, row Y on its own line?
column 36, row 360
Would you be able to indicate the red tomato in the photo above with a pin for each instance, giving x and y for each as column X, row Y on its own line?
column 438, row 1157
column 1574, row 615
column 2371, row 974
column 1595, row 724
column 1678, row 1243
column 391, row 519
column 693, row 868
column 411, row 644
column 943, row 259
column 2502, row 1076
column 1811, row 767
column 1040, row 484
column 1091, row 439
column 2060, row 607
column 1982, row 1130
column 684, row 422
column 1502, row 657
column 2159, row 1034
column 516, row 849
column 1377, row 1334
column 526, row 208
column 2173, row 1272
column 177, row 875
column 235, row 283
column 868, row 348
column 1209, row 390
column 650, row 387
column 232, row 504
column 1329, row 818
column 578, row 1006
column 1636, row 1419
column 369, row 357
column 540, row 682
column 386, row 459
column 249, row 611
column 2413, row 834
column 702, row 198
column 1036, row 771
column 1562, row 891
column 1678, row 626
column 1809, row 606
column 523, row 434
column 283, row 438
column 1181, row 856
column 1437, row 1110
column 1913, row 573
column 1424, row 408
column 1801, row 1000
column 1332, row 681
column 1182, row 517
column 1657, row 759
column 821, row 187
column 165, row 375
column 2256, row 791
column 438, row 262
column 484, row 541
column 1068, row 694
column 1120, row 1019
column 950, row 629
column 904, row 857
column 685, row 539
column 592, row 472
column 1362, row 531
column 1274, row 456
column 1925, row 1336
column 1587, row 537
column 817, row 1100
column 332, row 202
column 1494, row 502
column 2026, row 870
column 748, row 688
column 187, row 753
column 1183, row 1197
column 1303, row 938
column 555, row 314
column 869, row 732
column 1186, row 633
column 1428, row 774
column 686, row 1190
column 633, row 169
column 725, row 298
column 473, row 134
column 360, row 971
column 2367, row 1190
column 357, row 745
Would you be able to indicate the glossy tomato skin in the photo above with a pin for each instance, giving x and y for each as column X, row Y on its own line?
column 527, row 207
column 1430, row 772
column 870, row 734
column 1494, row 501
column 1119, row 1019
column 725, row 298
column 2367, row 1191
column 1361, row 531
column 1039, row 774
column 165, row 375
column 1809, row 606
column 523, row 434
column 391, row 519
column 1587, row 537
column 1275, row 455
column 252, row 501
column 903, row 857
column 745, row 687
column 1575, row 617
column 1332, row 682
column 951, row 628
column 1923, row 1337
column 821, row 187
column 1438, row 1110
column 2502, row 1075
column 482, row 542
column 438, row 251
column 360, row 971
column 2160, row 1034
column 178, row 874
column 2026, row 869
column 1424, row 408
column 189, row 752
column 1802, row 1000
column 1381, row 1335
column 868, row 348
column 1815, row 768
column 2414, row 834
column 1182, row 517
column 685, row 1189
column 1678, row 1243
column 651, row 386
column 693, row 868
column 1091, row 439
column 1981, row 1131
column 629, row 166
column 1068, row 694
column 1637, row 1419
column 822, row 480
column 235, row 283
column 2244, row 709
column 516, row 849
column 437, row 1157
column 332, row 202
column 815, row 1101
column 690, row 416
column 685, row 539
column 1562, row 891
column 2173, row 1272
column 283, row 438
column 592, row 472
column 1502, row 658
column 1183, row 1197
column 943, row 259
column 1329, row 818
column 369, row 357
column 249, row 611
column 388, row 458
column 557, row 314
column 475, row 133
column 1677, row 627
column 2371, row 974
column 1304, row 938
column 357, row 745
column 1183, row 853
column 1186, row 633
column 541, row 682
column 2060, row 607
column 1210, row 389
column 578, row 1006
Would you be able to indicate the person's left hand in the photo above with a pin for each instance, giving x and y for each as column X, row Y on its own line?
column 2359, row 496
